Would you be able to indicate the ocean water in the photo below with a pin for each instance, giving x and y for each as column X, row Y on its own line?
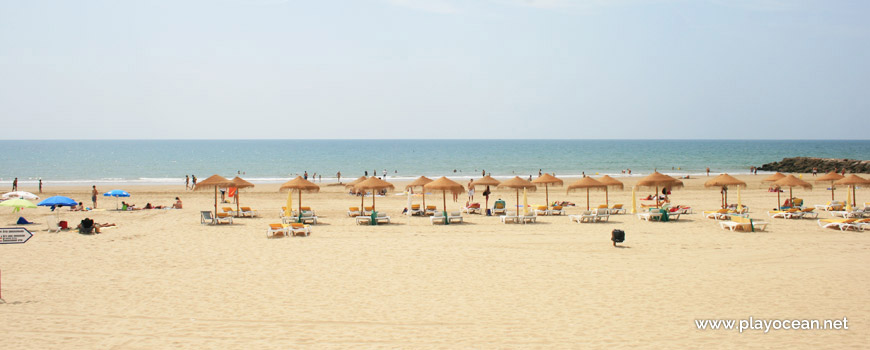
column 70, row 162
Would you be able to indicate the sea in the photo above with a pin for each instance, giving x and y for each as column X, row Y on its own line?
column 166, row 162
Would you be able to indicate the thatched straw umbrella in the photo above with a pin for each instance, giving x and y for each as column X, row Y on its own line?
column 547, row 180
column 373, row 184
column 518, row 183
column 791, row 181
column 419, row 182
column 301, row 185
column 853, row 181
column 657, row 180
column 240, row 183
column 486, row 181
column 354, row 182
column 832, row 176
column 774, row 178
column 215, row 181
column 611, row 183
column 723, row 181
column 587, row 183
column 444, row 185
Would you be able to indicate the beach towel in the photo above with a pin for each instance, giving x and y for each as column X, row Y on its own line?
column 664, row 217
column 23, row 221
column 233, row 191
column 374, row 217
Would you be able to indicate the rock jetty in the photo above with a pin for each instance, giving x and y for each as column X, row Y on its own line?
column 806, row 165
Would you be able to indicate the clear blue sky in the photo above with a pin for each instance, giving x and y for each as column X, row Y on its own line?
column 434, row 69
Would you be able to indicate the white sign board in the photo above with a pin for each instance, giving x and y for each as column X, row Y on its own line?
column 12, row 235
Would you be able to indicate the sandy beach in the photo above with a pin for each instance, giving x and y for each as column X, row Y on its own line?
column 160, row 279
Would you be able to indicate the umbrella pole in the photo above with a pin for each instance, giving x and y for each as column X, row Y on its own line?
column 606, row 197
column 444, row 197
column 587, row 198
column 832, row 190
column 237, row 201
column 854, row 200
column 790, row 196
column 215, row 200
column 424, row 200
column 518, row 202
column 300, row 201
column 778, row 201
column 725, row 197
column 362, row 204
column 373, row 199
column 547, row 194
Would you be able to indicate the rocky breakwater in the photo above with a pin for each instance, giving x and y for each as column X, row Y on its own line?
column 806, row 165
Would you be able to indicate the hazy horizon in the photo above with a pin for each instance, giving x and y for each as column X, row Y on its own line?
column 437, row 69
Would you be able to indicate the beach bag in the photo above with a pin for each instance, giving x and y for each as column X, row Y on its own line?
column 617, row 236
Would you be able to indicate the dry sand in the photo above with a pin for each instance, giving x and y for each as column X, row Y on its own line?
column 163, row 280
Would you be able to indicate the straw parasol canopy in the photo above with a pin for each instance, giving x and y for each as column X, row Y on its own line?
column 547, row 180
column 587, row 183
column 722, row 181
column 240, row 183
column 832, row 176
column 300, row 185
column 373, row 184
column 853, row 181
column 444, row 185
column 611, row 183
column 485, row 181
column 518, row 183
column 215, row 181
column 774, row 177
column 354, row 182
column 790, row 182
column 657, row 180
column 419, row 182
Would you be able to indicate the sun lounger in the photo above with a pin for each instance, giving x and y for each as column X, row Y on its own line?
column 499, row 208
column 382, row 218
column 617, row 209
column 721, row 214
column 842, row 224
column 431, row 210
column 557, row 210
column 586, row 216
column 793, row 213
column 743, row 224
column 509, row 218
column 847, row 214
column 367, row 211
column 54, row 227
column 353, row 212
column 540, row 210
column 437, row 219
column 809, row 213
column 527, row 218
column 415, row 210
column 455, row 217
column 473, row 208
column 602, row 215
column 276, row 231
column 224, row 218
column 298, row 229
column 248, row 212
column 230, row 211
column 830, row 206
column 363, row 220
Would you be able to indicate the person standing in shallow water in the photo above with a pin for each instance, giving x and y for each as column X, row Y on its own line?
column 40, row 185
column 15, row 184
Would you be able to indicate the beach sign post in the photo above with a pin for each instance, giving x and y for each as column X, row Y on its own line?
column 14, row 235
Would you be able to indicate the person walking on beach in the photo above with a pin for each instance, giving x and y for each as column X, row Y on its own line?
column 94, row 196
column 15, row 184
column 338, row 175
column 815, row 171
column 483, row 172
column 40, row 185
column 186, row 182
column 193, row 182
column 470, row 191
column 708, row 171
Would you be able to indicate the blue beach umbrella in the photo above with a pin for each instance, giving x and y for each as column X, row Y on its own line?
column 57, row 201
column 116, row 194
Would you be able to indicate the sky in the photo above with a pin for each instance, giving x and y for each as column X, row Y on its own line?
column 437, row 69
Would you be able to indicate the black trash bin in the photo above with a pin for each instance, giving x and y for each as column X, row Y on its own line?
column 617, row 236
